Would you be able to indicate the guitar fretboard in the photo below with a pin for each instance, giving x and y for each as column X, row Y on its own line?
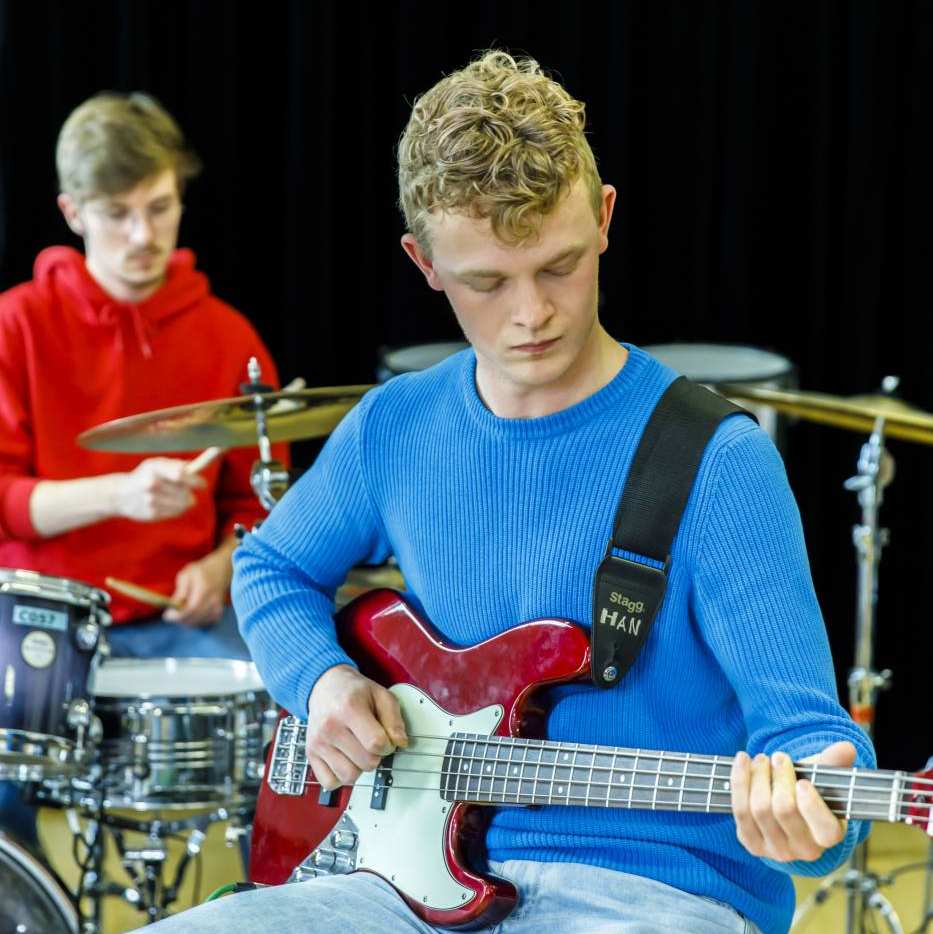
column 512, row 770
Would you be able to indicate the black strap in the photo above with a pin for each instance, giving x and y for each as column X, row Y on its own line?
column 628, row 594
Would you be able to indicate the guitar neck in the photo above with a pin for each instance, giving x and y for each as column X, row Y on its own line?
column 514, row 770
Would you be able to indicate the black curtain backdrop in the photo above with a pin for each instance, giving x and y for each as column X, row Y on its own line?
column 773, row 161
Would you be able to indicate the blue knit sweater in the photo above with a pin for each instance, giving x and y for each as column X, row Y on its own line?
column 497, row 521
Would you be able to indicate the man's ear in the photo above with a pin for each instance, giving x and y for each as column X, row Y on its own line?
column 421, row 259
column 69, row 209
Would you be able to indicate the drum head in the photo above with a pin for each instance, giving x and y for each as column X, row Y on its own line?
column 722, row 363
column 420, row 356
column 31, row 900
column 143, row 678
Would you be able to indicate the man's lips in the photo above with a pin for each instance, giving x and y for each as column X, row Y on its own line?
column 536, row 346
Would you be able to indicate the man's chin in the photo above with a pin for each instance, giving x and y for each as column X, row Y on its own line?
column 143, row 278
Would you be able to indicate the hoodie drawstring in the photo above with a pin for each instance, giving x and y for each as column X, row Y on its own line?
column 110, row 315
column 140, row 327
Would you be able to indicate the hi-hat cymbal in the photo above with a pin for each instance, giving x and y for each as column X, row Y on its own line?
column 226, row 423
column 856, row 413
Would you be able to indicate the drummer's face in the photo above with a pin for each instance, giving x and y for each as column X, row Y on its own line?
column 129, row 237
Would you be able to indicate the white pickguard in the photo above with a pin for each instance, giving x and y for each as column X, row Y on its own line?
column 404, row 843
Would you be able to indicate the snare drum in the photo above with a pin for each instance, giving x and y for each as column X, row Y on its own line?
column 734, row 363
column 50, row 632
column 181, row 733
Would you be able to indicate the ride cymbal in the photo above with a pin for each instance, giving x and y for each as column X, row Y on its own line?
column 226, row 423
column 856, row 413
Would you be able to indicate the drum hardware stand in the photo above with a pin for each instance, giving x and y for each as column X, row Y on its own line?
column 875, row 472
column 145, row 864
column 269, row 478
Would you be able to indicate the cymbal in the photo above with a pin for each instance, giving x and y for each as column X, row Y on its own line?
column 855, row 413
column 226, row 423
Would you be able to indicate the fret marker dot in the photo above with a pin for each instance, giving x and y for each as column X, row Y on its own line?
column 560, row 789
column 465, row 766
column 725, row 786
column 621, row 779
column 566, row 756
column 515, row 770
column 670, row 782
column 488, row 768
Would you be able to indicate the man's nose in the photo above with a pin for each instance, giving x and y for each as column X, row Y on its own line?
column 532, row 308
column 141, row 228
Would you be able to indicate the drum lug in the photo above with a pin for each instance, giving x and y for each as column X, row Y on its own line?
column 79, row 714
column 87, row 635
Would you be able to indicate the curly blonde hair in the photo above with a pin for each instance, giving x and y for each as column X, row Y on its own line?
column 498, row 139
column 112, row 142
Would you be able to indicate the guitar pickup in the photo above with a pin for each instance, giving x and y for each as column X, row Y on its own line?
column 381, row 784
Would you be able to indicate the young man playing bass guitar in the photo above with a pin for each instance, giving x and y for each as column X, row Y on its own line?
column 494, row 478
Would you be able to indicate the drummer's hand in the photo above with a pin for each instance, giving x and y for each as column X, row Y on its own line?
column 158, row 488
column 352, row 723
column 201, row 588
column 780, row 817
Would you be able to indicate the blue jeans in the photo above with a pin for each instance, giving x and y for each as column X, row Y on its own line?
column 565, row 897
column 147, row 638
column 155, row 638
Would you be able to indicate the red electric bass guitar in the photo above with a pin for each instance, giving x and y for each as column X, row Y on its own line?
column 473, row 715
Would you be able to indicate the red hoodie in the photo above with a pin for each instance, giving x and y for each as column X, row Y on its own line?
column 72, row 357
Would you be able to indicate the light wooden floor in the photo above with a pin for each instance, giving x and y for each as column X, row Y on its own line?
column 891, row 846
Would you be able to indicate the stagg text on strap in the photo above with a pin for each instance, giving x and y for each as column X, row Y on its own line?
column 627, row 595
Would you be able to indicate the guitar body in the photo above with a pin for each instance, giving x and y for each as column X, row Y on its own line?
column 444, row 689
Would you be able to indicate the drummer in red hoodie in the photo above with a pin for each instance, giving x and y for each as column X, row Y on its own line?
column 128, row 327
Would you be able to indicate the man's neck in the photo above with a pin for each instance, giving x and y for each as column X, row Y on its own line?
column 125, row 292
column 594, row 368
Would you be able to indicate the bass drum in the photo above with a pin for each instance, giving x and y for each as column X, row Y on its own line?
column 32, row 900
column 734, row 363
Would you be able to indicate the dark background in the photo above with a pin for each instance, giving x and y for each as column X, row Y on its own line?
column 773, row 160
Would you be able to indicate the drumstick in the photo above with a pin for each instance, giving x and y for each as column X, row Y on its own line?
column 207, row 456
column 142, row 594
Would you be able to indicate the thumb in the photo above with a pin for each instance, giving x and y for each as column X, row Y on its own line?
column 389, row 715
column 840, row 754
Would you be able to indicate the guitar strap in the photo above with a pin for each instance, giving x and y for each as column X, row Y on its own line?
column 628, row 591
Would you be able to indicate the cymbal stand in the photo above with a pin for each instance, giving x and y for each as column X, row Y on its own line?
column 875, row 472
column 268, row 477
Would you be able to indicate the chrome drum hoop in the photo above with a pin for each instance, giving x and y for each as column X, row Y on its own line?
column 61, row 589
column 31, row 897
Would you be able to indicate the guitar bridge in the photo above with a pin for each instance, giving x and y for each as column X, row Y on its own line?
column 288, row 774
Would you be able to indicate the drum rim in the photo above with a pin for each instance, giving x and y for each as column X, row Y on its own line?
column 149, row 806
column 28, row 583
column 393, row 352
column 129, row 664
column 789, row 368
column 41, row 765
column 43, row 877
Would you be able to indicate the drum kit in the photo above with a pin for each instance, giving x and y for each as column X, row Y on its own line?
column 166, row 747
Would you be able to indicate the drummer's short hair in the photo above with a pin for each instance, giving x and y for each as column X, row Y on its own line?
column 498, row 139
column 113, row 141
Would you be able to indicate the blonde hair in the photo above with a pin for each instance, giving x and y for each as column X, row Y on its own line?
column 112, row 142
column 498, row 139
